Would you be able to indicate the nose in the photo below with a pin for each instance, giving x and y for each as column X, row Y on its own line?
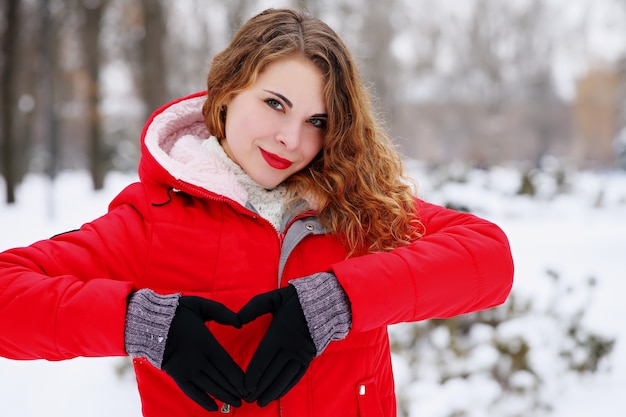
column 290, row 136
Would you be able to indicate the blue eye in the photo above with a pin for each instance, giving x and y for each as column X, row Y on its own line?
column 318, row 122
column 274, row 103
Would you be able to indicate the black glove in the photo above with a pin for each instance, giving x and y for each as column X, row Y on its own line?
column 196, row 360
column 285, row 351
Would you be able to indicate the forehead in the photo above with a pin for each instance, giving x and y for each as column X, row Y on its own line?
column 295, row 77
column 294, row 65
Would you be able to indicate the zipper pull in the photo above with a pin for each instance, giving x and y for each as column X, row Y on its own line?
column 281, row 239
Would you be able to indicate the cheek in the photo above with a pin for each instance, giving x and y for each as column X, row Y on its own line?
column 241, row 120
column 313, row 146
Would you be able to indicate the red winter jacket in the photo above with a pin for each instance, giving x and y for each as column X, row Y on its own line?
column 184, row 228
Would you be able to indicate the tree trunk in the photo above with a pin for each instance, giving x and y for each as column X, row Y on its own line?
column 8, row 77
column 91, row 50
column 47, row 88
column 154, row 82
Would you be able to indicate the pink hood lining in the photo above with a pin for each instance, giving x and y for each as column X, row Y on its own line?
column 174, row 138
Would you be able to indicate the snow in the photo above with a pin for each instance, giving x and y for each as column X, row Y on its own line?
column 82, row 386
column 580, row 233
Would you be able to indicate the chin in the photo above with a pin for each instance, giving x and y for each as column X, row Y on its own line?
column 271, row 186
column 268, row 183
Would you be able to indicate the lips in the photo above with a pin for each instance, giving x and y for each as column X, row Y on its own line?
column 275, row 161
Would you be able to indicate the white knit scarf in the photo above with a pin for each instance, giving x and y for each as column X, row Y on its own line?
column 270, row 204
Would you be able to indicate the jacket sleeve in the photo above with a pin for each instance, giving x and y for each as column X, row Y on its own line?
column 66, row 296
column 461, row 264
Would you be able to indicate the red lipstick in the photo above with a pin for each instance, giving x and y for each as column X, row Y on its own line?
column 275, row 161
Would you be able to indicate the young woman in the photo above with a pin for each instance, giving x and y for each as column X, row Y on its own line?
column 271, row 240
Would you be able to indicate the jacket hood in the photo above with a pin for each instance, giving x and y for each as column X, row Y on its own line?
column 172, row 153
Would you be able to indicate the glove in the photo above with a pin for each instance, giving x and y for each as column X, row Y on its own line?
column 195, row 359
column 285, row 351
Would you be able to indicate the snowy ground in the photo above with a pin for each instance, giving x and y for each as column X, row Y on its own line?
column 580, row 234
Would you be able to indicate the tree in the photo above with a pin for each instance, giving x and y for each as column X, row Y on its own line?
column 153, row 69
column 47, row 88
column 92, row 10
column 8, row 76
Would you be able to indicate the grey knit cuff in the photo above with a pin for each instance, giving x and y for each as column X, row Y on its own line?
column 326, row 308
column 148, row 319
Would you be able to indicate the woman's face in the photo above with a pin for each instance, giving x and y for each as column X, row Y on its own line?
column 276, row 127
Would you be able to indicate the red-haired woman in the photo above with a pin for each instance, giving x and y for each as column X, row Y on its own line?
column 271, row 240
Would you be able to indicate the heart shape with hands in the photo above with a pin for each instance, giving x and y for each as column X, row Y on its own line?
column 204, row 370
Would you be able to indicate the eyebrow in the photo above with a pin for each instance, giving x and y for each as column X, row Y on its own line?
column 290, row 104
column 283, row 98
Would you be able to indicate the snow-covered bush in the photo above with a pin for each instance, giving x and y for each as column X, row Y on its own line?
column 506, row 361
column 512, row 360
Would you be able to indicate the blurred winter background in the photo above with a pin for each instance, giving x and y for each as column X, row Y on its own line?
column 512, row 109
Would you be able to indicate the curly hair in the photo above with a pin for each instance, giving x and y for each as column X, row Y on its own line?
column 356, row 182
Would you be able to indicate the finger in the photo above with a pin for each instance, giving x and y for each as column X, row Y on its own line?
column 288, row 377
column 228, row 375
column 209, row 310
column 253, row 374
column 224, row 369
column 220, row 385
column 261, row 360
column 206, row 381
column 260, row 304
column 261, row 373
column 294, row 381
column 277, row 369
column 199, row 396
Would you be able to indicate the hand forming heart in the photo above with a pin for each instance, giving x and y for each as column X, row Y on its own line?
column 196, row 361
column 202, row 368
column 286, row 350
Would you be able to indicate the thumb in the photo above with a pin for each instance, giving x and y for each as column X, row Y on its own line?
column 264, row 303
column 209, row 310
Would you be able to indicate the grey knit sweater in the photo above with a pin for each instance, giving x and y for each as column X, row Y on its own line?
column 324, row 303
column 326, row 308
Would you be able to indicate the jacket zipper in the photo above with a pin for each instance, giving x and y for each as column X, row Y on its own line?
column 194, row 190
column 281, row 239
